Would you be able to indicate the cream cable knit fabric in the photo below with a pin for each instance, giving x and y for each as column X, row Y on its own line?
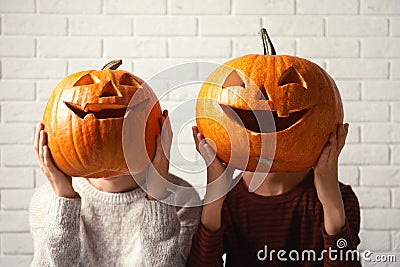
column 110, row 229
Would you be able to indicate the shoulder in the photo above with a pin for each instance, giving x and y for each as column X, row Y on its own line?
column 38, row 204
column 187, row 199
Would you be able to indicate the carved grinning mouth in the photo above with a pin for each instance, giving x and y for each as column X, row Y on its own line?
column 104, row 111
column 263, row 121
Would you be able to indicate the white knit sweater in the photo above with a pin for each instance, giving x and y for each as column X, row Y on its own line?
column 110, row 229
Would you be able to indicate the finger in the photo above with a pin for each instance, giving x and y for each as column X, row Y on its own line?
column 41, row 144
column 39, row 127
column 323, row 157
column 342, row 134
column 203, row 151
column 333, row 146
column 165, row 113
column 195, row 131
column 48, row 162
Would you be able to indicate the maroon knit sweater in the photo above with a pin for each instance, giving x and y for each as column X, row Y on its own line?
column 254, row 225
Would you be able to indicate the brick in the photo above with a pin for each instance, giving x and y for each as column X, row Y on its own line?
column 349, row 175
column 380, row 47
column 352, row 26
column 349, row 90
column 396, row 111
column 135, row 7
column 45, row 88
column 17, row 47
column 380, row 176
column 380, row 7
column 181, row 112
column 395, row 66
column 16, row 260
column 93, row 25
column 34, row 25
column 327, row 7
column 353, row 154
column 381, row 90
column 14, row 221
column 135, row 48
column 183, row 133
column 40, row 178
column 374, row 240
column 16, row 199
column 33, row 68
column 16, row 178
column 19, row 156
column 70, row 6
column 395, row 26
column 17, row 90
column 185, row 92
column 165, row 26
column 263, row 7
column 23, row 112
column 373, row 197
column 359, row 68
column 328, row 47
column 353, row 136
column 199, row 47
column 21, row 6
column 16, row 134
column 357, row 111
column 164, row 68
column 381, row 133
column 379, row 219
column 228, row 25
column 199, row 7
column 17, row 243
column 396, row 197
column 396, row 241
column 253, row 45
column 183, row 154
column 69, row 47
column 293, row 25
column 396, row 155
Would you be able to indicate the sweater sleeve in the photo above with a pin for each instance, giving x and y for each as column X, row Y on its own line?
column 54, row 225
column 207, row 248
column 159, row 235
column 341, row 248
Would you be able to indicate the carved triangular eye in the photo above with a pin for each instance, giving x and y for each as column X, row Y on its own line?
column 128, row 80
column 291, row 75
column 233, row 79
column 85, row 80
column 110, row 90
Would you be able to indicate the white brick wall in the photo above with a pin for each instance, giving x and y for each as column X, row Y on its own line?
column 41, row 41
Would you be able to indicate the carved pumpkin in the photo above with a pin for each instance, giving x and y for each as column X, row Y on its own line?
column 269, row 112
column 84, row 119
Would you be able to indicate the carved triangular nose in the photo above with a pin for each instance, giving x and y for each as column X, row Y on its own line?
column 110, row 90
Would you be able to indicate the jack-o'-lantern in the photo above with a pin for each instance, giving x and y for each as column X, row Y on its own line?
column 272, row 112
column 84, row 119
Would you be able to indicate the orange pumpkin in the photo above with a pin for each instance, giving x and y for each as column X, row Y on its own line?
column 84, row 119
column 269, row 112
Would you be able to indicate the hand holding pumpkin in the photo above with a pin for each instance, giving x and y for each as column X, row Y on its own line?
column 158, row 171
column 61, row 183
column 219, row 176
column 326, row 180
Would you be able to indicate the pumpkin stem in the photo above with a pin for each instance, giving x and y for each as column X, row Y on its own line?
column 112, row 65
column 267, row 44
